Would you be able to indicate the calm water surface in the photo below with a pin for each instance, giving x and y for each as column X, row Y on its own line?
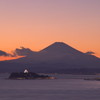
column 67, row 87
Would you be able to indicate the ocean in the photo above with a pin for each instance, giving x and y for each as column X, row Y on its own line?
column 65, row 87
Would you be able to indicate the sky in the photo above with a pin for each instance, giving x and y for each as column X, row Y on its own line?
column 36, row 24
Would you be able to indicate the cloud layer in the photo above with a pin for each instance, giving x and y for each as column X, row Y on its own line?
column 23, row 52
column 2, row 53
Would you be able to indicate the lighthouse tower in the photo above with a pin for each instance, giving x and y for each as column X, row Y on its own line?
column 26, row 71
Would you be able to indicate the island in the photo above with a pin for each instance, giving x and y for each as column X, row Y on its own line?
column 28, row 75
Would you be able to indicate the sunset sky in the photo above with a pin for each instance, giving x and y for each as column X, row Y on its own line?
column 36, row 24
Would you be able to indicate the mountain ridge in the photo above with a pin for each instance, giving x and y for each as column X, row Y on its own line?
column 57, row 56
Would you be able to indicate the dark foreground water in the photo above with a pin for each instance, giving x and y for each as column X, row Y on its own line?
column 67, row 87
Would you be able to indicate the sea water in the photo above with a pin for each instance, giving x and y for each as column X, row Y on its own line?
column 66, row 87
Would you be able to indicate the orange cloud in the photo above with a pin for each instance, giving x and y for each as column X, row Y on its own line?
column 3, row 58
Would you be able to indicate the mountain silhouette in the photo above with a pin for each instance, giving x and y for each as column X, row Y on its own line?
column 56, row 58
column 60, row 47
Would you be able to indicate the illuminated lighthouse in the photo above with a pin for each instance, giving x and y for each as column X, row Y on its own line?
column 26, row 71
